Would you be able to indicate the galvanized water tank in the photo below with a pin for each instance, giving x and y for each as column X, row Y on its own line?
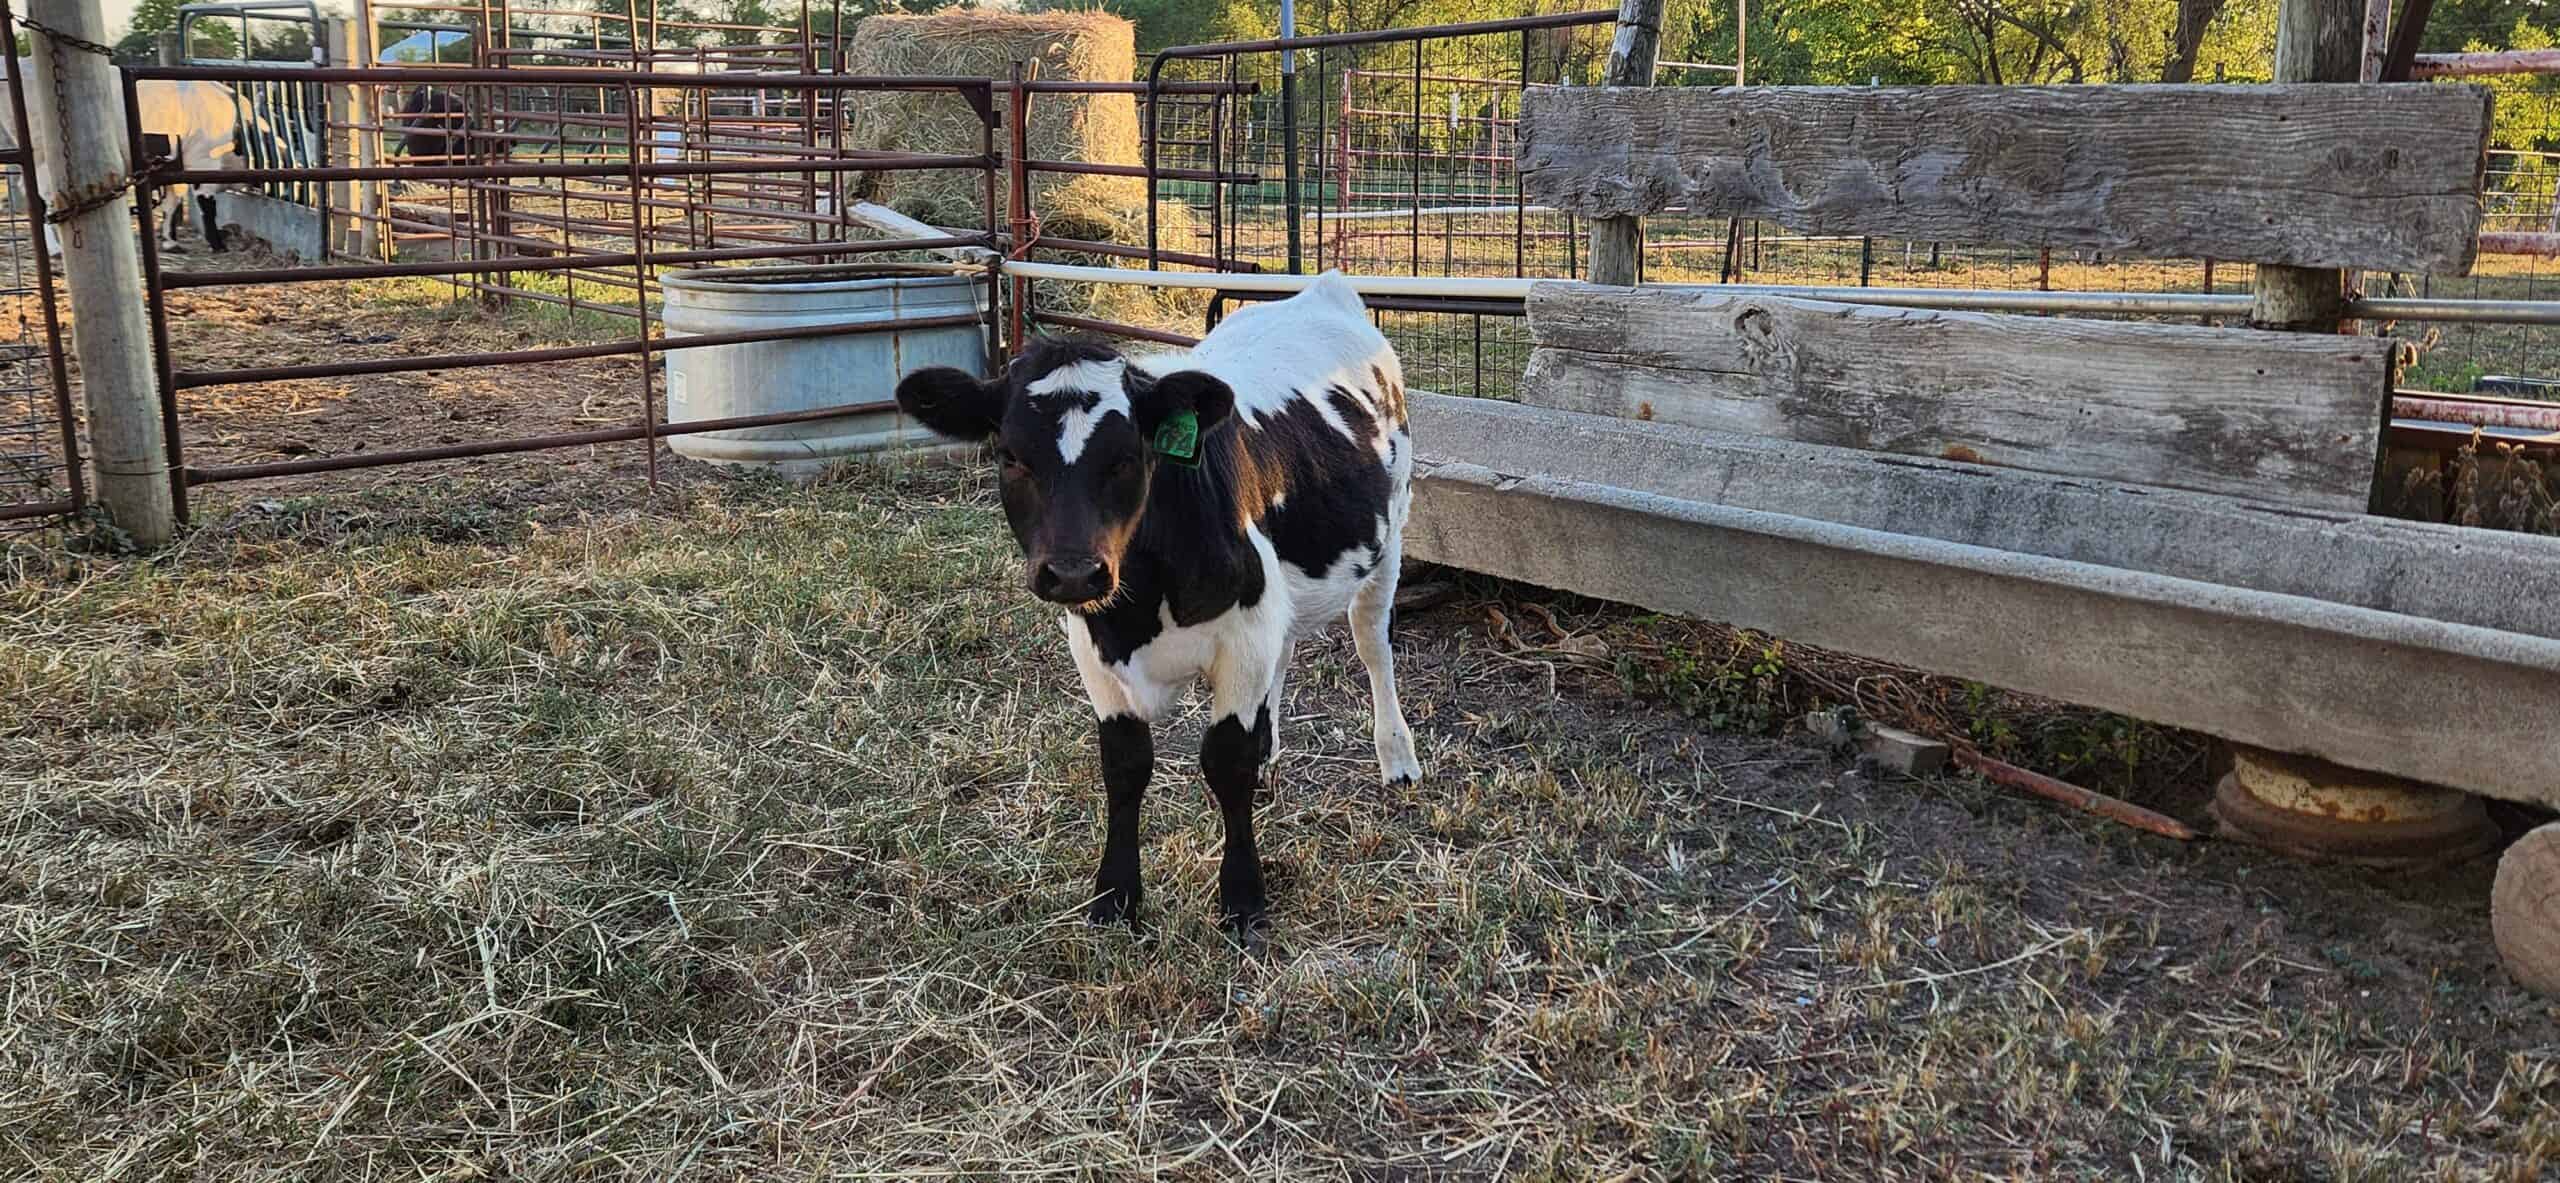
column 763, row 377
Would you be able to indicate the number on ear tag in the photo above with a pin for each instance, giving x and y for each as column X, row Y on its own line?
column 1178, row 438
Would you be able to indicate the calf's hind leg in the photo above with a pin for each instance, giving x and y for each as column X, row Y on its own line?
column 1371, row 608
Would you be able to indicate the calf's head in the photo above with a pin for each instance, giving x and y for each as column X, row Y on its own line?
column 1079, row 436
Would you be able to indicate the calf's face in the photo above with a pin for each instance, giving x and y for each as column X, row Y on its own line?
column 1078, row 436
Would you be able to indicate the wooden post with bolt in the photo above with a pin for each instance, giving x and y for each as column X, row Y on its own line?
column 2316, row 41
column 1617, row 244
column 77, row 102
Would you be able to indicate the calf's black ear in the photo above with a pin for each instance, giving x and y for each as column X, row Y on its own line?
column 1184, row 390
column 952, row 403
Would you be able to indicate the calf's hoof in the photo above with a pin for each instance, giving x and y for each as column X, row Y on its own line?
column 1249, row 931
column 1115, row 905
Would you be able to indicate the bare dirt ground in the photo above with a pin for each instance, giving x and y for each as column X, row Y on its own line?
column 497, row 820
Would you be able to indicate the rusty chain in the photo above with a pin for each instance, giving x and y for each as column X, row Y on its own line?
column 72, row 203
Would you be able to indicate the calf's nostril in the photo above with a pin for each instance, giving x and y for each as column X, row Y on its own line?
column 1073, row 578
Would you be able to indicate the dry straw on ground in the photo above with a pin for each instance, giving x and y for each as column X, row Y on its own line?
column 404, row 836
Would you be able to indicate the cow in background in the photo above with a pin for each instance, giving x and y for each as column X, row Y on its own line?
column 201, row 119
column 435, row 126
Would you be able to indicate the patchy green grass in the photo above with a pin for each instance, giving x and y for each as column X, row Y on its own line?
column 412, row 836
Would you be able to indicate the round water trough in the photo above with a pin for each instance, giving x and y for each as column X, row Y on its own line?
column 765, row 377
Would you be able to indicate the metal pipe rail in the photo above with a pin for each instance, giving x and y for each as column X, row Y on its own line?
column 574, row 76
column 493, row 172
column 2199, row 304
column 190, row 379
column 532, row 443
column 573, row 262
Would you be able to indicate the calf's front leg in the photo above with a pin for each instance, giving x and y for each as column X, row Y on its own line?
column 1128, row 759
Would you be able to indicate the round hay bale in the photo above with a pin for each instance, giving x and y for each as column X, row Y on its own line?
column 1069, row 46
column 1086, row 46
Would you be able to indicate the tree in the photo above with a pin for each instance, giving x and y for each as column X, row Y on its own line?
column 140, row 43
column 2186, row 40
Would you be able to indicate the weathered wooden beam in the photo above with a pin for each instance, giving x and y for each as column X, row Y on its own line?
column 2279, row 418
column 2386, row 177
column 2488, row 579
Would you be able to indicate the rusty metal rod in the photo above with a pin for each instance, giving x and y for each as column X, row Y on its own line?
column 2405, row 434
column 66, row 418
column 38, row 509
column 191, row 379
column 1561, row 20
column 2476, row 410
column 210, row 279
column 1091, row 169
column 145, row 201
column 1022, row 231
column 2086, row 800
column 567, row 75
column 493, row 172
column 2519, row 242
column 1121, row 251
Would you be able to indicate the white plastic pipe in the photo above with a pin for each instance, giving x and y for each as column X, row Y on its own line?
column 2546, row 312
column 1370, row 285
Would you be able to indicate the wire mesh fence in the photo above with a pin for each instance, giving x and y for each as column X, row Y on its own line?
column 35, row 452
column 40, row 475
column 1393, row 153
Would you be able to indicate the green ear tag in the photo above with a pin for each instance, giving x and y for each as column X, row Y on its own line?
column 1178, row 438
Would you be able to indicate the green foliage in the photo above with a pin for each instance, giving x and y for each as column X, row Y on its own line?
column 1742, row 688
column 1184, row 22
column 2087, row 747
column 2526, row 119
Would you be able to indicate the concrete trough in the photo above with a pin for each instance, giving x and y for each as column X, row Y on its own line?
column 2424, row 651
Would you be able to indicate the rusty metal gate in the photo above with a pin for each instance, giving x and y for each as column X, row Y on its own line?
column 40, row 477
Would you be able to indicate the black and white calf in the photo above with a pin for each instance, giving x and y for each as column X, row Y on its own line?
column 1196, row 513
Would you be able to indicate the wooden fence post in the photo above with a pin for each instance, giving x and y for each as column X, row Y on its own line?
column 1617, row 244
column 78, row 101
column 373, row 239
column 342, row 229
column 2316, row 41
